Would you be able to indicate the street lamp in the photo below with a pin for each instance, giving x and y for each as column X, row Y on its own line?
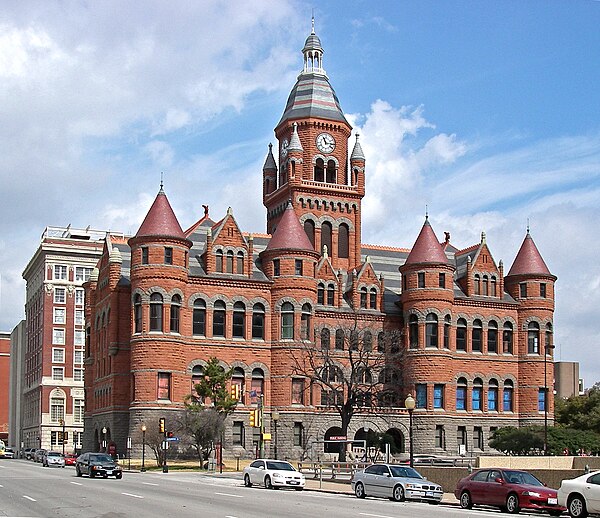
column 275, row 418
column 143, row 448
column 104, row 438
column 547, row 350
column 409, row 404
column 62, row 422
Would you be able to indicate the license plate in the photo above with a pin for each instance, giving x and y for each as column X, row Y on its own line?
column 109, row 472
column 428, row 493
column 295, row 482
column 553, row 501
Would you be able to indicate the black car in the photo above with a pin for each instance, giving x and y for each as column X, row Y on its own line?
column 97, row 464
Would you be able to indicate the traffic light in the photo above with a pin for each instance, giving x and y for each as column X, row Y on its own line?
column 170, row 435
column 235, row 392
column 161, row 425
column 252, row 418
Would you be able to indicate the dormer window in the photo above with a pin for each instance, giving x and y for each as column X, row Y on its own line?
column 219, row 261
column 477, row 285
column 240, row 263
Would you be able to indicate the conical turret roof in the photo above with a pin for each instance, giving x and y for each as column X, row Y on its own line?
column 357, row 152
column 161, row 220
column 270, row 164
column 289, row 233
column 529, row 260
column 427, row 248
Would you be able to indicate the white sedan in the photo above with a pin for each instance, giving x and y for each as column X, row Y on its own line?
column 581, row 495
column 273, row 474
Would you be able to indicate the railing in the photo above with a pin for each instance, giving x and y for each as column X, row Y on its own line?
column 331, row 470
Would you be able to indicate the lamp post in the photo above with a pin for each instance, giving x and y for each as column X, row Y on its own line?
column 62, row 422
column 409, row 404
column 547, row 350
column 275, row 418
column 143, row 448
column 104, row 438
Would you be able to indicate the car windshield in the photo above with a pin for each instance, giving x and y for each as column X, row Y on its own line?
column 401, row 471
column 282, row 466
column 521, row 477
column 101, row 457
column 53, row 454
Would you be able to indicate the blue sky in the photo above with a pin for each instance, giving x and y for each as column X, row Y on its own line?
column 486, row 112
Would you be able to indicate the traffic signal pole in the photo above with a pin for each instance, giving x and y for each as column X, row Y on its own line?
column 261, row 442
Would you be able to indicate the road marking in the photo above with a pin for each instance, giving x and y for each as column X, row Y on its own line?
column 228, row 494
column 134, row 496
column 77, row 483
column 376, row 515
column 149, row 484
column 29, row 498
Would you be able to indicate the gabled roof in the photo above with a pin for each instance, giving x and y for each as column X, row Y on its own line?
column 529, row 260
column 289, row 234
column 160, row 220
column 427, row 248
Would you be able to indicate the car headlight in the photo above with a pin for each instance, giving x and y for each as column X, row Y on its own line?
column 96, row 467
column 411, row 486
column 532, row 493
column 277, row 475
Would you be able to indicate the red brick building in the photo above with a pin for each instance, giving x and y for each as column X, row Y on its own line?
column 477, row 343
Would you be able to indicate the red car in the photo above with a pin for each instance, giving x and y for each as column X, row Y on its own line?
column 509, row 489
column 70, row 459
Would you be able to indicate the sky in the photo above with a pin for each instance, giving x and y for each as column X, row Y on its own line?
column 484, row 114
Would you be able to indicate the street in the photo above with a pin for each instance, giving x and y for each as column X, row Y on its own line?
column 29, row 490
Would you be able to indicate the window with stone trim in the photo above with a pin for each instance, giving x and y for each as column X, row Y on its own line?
column 476, row 336
column 297, row 391
column 461, row 394
column 199, row 318
column 79, row 296
column 413, row 331
column 477, row 395
column 258, row 321
column 431, row 330
column 257, row 384
column 326, row 232
column 421, row 279
column 340, row 338
column 330, row 295
column 523, row 290
column 325, row 339
column 543, row 290
column 57, row 409
column 461, row 335
column 239, row 320
column 175, row 313
column 298, row 435
column 320, row 293
column 542, row 399
column 492, row 337
column 60, row 295
column 60, row 315
column 238, row 433
column 305, row 322
column 343, row 241
column 144, row 252
column 219, row 261
column 447, row 326
column 373, row 298
column 60, row 272
column 78, row 410
column 240, row 263
column 533, row 338
column 164, row 386
column 478, row 438
column 507, row 338
column 442, row 280
column 363, row 297
column 168, row 255
column 156, row 312
column 309, row 228
column 493, row 395
column 298, row 267
column 421, row 395
column 507, row 396
column 438, row 395
column 219, row 318
column 287, row 321
column 229, row 261
column 276, row 268
column 440, row 437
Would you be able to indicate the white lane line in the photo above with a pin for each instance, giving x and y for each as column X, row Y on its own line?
column 77, row 483
column 229, row 516
column 376, row 515
column 134, row 496
column 149, row 484
column 229, row 494
column 29, row 498
column 1, row 485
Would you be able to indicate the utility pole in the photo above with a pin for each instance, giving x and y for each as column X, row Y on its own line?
column 261, row 442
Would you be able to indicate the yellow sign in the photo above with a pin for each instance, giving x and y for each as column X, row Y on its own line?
column 266, row 436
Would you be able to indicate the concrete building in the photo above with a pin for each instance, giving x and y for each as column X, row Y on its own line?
column 472, row 343
column 18, row 339
column 567, row 382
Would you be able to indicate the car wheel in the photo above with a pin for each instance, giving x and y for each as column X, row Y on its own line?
column 92, row 474
column 465, row 500
column 119, row 475
column 359, row 490
column 77, row 472
column 398, row 494
column 268, row 483
column 576, row 507
column 247, row 482
column 512, row 503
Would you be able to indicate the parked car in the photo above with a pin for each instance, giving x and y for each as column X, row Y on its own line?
column 70, row 459
column 396, row 482
column 508, row 489
column 53, row 458
column 9, row 453
column 97, row 464
column 38, row 456
column 28, row 453
column 581, row 495
column 273, row 474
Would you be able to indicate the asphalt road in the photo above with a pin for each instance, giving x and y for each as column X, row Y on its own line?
column 29, row 490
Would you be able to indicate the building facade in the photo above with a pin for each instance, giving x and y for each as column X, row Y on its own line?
column 4, row 384
column 476, row 343
column 50, row 393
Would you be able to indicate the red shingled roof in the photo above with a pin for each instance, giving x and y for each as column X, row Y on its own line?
column 161, row 220
column 427, row 248
column 528, row 260
column 289, row 233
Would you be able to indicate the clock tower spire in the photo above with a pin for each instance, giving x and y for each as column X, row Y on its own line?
column 324, row 184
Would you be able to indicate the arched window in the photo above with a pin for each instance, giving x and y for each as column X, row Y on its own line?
column 431, row 330
column 137, row 313
column 305, row 322
column 493, row 286
column 238, row 380
column 240, row 263
column 309, row 228
column 493, row 395
column 57, row 407
column 219, row 260
column 326, row 237
column 219, row 318
column 353, row 340
column 477, row 285
column 325, row 339
column 507, row 338
column 476, row 335
column 477, row 395
column 389, row 376
column 199, row 318
column 413, row 332
column 363, row 297
column 156, row 312
column 507, row 396
column 533, row 338
column 367, row 341
column 331, row 172
column 320, row 293
column 373, row 298
column 461, row 335
column 257, row 385
column 485, row 285
column 339, row 339
column 319, row 170
column 548, row 345
column 492, row 337
column 258, row 321
column 287, row 321
column 239, row 320
column 447, row 332
column 461, row 394
column 229, row 261
column 380, row 342
column 175, row 312
column 197, row 376
column 330, row 295
column 363, row 375
column 343, row 241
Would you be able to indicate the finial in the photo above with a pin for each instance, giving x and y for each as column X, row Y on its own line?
column 270, row 147
column 313, row 22
column 527, row 226
column 161, row 181
column 426, row 212
column 482, row 237
column 229, row 211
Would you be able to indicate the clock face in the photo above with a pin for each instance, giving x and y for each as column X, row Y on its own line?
column 284, row 147
column 325, row 143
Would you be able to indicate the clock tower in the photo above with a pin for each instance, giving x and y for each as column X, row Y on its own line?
column 323, row 181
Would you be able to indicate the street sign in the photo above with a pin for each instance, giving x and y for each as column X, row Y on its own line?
column 173, row 439
column 266, row 436
column 338, row 438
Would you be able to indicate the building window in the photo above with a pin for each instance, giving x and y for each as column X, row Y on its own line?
column 78, row 356
column 297, row 391
column 77, row 374
column 199, row 318
column 476, row 336
column 58, row 336
column 442, row 280
column 219, row 318
column 79, row 337
column 219, row 261
column 485, row 285
column 175, row 312
column 533, row 338
column 326, row 231
column 440, row 437
column 238, row 433
column 438, row 396
column 287, row 321
column 492, row 337
column 144, row 255
column 60, row 272
column 523, row 290
column 276, row 268
column 367, row 341
column 541, row 399
column 305, row 322
column 78, row 410
column 60, row 295
column 421, row 279
column 137, row 313
column 60, row 315
column 298, row 270
column 543, row 290
column 447, row 332
column 477, row 395
column 319, row 170
column 413, row 331
column 339, row 339
column 461, row 436
column 363, row 297
column 478, row 438
column 507, row 338
column 164, row 385
column 461, row 394
column 325, row 339
column 507, row 396
column 373, row 298
column 58, row 355
column 57, row 409
column 493, row 396
column 197, row 376
column 461, row 335
column 229, row 261
column 477, row 284
column 298, row 435
column 240, row 263
column 309, row 228
column 343, row 241
column 168, row 255
column 79, row 317
column 239, row 320
column 79, row 296
column 431, row 330
column 82, row 273
column 156, row 312
column 548, row 344
column 258, row 321
column 58, row 373
column 421, row 395
column 320, row 293
column 257, row 385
